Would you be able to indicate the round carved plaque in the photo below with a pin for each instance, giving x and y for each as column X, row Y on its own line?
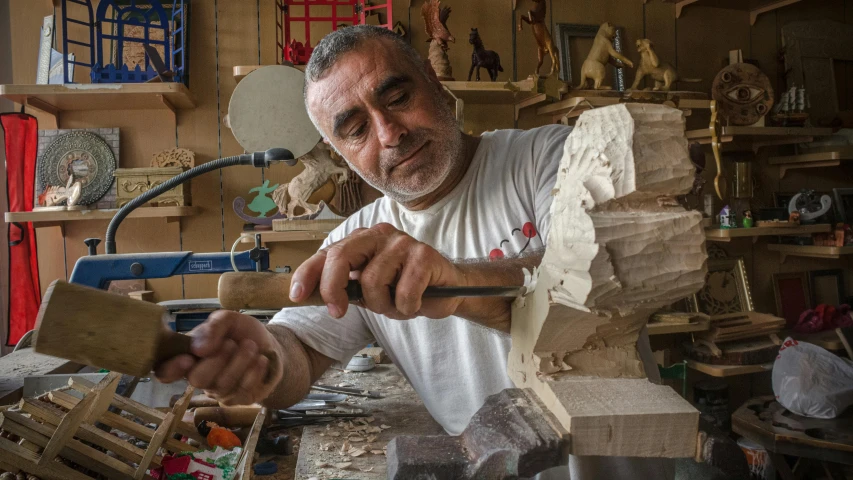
column 743, row 93
column 84, row 156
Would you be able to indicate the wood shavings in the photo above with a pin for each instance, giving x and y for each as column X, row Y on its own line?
column 344, row 448
column 356, row 439
column 356, row 452
column 326, row 446
column 343, row 465
column 334, row 434
column 371, row 439
column 378, row 452
column 373, row 430
column 365, row 470
column 384, row 427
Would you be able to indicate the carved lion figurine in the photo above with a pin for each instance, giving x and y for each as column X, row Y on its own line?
column 663, row 74
column 602, row 52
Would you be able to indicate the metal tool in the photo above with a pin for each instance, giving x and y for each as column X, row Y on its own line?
column 349, row 391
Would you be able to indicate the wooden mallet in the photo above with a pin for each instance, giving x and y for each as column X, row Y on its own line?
column 102, row 329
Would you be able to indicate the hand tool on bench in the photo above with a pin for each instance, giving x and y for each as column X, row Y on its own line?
column 267, row 290
column 102, row 329
column 243, row 416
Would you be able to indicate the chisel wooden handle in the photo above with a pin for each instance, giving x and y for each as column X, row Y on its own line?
column 228, row 417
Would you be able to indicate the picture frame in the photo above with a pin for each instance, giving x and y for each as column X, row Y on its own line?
column 827, row 287
column 726, row 290
column 843, row 203
column 793, row 295
column 566, row 31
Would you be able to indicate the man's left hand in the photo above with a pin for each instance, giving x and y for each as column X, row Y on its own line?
column 380, row 256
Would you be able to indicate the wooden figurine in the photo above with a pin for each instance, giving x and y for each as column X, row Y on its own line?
column 320, row 167
column 663, row 74
column 488, row 59
column 174, row 157
column 133, row 182
column 536, row 19
column 620, row 249
column 743, row 93
column 53, row 196
column 435, row 21
column 602, row 52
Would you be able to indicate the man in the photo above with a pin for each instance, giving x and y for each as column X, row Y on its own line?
column 458, row 210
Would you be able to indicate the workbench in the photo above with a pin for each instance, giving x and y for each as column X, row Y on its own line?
column 400, row 410
column 23, row 363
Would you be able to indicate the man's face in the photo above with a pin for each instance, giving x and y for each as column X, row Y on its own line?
column 388, row 120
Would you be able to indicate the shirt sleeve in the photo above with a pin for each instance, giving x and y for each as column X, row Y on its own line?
column 547, row 152
column 336, row 338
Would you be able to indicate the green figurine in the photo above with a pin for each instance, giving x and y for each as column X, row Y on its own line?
column 747, row 221
column 263, row 204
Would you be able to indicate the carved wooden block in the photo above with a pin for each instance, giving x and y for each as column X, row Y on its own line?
column 619, row 248
column 133, row 182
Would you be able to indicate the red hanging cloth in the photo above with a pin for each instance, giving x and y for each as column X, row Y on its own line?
column 21, row 142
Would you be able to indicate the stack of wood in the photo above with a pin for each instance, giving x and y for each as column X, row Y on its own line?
column 745, row 338
column 57, row 435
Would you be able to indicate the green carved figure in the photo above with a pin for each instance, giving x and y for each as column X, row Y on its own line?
column 262, row 204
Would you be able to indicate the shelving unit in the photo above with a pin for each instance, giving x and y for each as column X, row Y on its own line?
column 508, row 93
column 813, row 251
column 722, row 235
column 754, row 7
column 54, row 99
column 48, row 218
column 831, row 157
column 664, row 328
column 292, row 236
column 241, row 71
column 755, row 138
column 722, row 371
column 579, row 101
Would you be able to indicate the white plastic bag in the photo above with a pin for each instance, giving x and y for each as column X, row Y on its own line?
column 811, row 381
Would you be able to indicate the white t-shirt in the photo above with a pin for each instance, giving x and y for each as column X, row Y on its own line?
column 500, row 208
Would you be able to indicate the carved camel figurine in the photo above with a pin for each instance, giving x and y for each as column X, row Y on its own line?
column 663, row 74
column 319, row 168
column 536, row 18
column 602, row 52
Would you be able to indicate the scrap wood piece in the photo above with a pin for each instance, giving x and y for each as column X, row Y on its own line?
column 24, row 459
column 616, row 255
column 244, row 465
column 376, row 353
column 67, row 428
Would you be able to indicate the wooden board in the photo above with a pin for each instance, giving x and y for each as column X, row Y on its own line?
column 728, row 370
column 291, row 236
column 17, row 365
column 664, row 328
column 726, row 235
column 40, row 217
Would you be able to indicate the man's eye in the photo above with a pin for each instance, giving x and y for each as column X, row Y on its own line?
column 399, row 100
column 358, row 132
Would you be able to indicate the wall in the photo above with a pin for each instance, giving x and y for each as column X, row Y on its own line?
column 225, row 33
column 5, row 106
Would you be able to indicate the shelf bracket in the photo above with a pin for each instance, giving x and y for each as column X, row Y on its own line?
column 528, row 102
column 680, row 6
column 169, row 107
column 753, row 14
column 44, row 107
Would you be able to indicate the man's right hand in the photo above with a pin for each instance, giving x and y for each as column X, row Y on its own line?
column 228, row 359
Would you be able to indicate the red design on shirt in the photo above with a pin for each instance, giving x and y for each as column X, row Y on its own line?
column 529, row 232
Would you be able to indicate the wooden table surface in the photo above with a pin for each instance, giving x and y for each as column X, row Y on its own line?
column 25, row 362
column 401, row 411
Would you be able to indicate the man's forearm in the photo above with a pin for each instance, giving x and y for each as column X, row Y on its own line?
column 494, row 312
column 302, row 366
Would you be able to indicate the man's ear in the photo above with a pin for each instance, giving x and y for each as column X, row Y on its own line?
column 326, row 141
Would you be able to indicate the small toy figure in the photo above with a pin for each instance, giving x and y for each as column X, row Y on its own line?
column 602, row 52
column 481, row 57
column 536, row 19
column 728, row 218
column 794, row 218
column 747, row 221
column 262, row 204
column 663, row 74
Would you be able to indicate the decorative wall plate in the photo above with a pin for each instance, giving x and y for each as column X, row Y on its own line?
column 83, row 155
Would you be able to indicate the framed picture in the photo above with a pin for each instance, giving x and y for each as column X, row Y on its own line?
column 726, row 290
column 793, row 295
column 565, row 32
column 827, row 287
column 843, row 200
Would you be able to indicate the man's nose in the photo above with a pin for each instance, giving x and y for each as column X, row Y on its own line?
column 390, row 130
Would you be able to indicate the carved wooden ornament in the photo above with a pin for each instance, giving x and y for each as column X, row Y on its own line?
column 619, row 248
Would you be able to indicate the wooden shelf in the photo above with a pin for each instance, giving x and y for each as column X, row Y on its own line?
column 241, row 71
column 754, row 138
column 813, row 251
column 812, row 159
column 723, row 235
column 664, row 328
column 53, row 218
column 754, row 7
column 504, row 93
column 291, row 236
column 728, row 370
column 578, row 101
column 54, row 99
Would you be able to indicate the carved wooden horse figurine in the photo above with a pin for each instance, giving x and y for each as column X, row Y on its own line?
column 481, row 57
column 536, row 18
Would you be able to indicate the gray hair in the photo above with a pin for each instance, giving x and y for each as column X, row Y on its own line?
column 334, row 45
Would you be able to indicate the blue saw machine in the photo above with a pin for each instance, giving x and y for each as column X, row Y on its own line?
column 97, row 271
